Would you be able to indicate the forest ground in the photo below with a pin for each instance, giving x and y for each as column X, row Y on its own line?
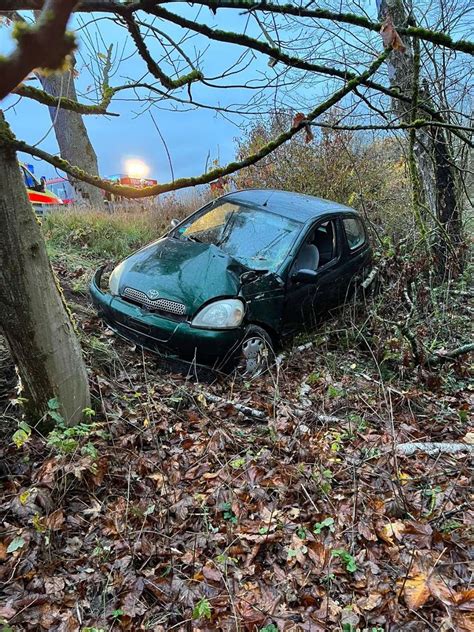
column 171, row 509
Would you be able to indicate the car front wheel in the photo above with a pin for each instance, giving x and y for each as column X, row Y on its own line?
column 256, row 352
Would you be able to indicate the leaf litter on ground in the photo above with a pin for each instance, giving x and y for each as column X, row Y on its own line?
column 189, row 515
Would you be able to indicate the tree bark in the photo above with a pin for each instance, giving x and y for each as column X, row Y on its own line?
column 33, row 314
column 71, row 133
column 436, row 172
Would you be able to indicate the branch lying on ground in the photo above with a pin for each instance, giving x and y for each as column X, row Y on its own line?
column 407, row 449
column 370, row 277
column 263, row 416
column 43, row 45
column 445, row 356
column 210, row 176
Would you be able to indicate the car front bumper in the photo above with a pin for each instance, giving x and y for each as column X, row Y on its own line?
column 164, row 335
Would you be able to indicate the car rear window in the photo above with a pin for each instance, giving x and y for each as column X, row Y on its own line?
column 354, row 231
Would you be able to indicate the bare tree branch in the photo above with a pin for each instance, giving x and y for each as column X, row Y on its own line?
column 43, row 45
column 111, row 6
column 407, row 449
column 67, row 104
column 289, row 60
column 445, row 356
column 416, row 124
column 214, row 174
column 152, row 66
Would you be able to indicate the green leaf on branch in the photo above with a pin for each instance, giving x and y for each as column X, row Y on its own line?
column 21, row 436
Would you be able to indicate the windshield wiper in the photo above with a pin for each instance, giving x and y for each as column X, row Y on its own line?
column 225, row 231
column 194, row 238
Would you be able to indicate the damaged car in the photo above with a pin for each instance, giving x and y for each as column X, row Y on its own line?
column 225, row 286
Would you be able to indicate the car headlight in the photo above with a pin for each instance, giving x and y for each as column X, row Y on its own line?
column 114, row 279
column 222, row 314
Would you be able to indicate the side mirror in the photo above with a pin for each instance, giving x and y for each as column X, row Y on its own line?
column 305, row 276
column 43, row 184
column 174, row 223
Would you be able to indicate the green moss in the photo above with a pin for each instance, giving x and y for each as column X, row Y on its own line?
column 68, row 104
column 7, row 137
column 20, row 30
column 439, row 38
column 194, row 75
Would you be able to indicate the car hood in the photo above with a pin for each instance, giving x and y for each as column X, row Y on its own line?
column 184, row 271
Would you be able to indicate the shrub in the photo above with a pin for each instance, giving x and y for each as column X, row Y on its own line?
column 353, row 168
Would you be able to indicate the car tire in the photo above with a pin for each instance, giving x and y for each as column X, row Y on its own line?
column 256, row 353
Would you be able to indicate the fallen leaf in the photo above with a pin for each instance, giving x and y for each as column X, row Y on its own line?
column 54, row 585
column 469, row 438
column 464, row 622
column 3, row 552
column 7, row 612
column 370, row 602
column 54, row 521
column 212, row 574
column 318, row 554
column 392, row 530
column 465, row 599
column 416, row 591
column 15, row 544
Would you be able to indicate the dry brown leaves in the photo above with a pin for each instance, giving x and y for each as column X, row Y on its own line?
column 188, row 501
column 299, row 119
column 390, row 36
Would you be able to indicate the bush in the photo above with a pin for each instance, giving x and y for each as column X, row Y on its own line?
column 352, row 168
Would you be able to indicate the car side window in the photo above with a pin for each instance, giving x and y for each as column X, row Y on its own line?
column 355, row 232
column 28, row 179
column 319, row 248
column 324, row 238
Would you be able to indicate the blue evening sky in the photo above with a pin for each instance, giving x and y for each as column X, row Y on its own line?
column 192, row 137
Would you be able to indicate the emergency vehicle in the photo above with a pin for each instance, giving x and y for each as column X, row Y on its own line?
column 40, row 197
column 63, row 188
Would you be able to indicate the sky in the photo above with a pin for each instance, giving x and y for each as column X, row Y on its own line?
column 193, row 138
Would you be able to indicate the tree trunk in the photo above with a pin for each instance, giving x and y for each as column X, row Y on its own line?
column 436, row 172
column 33, row 315
column 71, row 134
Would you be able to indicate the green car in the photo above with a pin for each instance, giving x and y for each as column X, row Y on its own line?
column 229, row 283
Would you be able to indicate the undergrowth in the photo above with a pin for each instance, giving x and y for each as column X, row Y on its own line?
column 171, row 511
column 115, row 235
column 99, row 234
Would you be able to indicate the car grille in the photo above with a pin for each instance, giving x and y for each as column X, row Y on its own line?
column 158, row 304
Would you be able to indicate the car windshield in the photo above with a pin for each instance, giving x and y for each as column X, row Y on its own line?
column 257, row 238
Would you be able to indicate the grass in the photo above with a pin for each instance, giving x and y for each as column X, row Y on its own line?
column 98, row 234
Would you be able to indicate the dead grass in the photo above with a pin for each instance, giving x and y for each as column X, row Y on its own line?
column 113, row 234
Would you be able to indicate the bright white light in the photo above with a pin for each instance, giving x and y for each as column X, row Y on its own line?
column 136, row 168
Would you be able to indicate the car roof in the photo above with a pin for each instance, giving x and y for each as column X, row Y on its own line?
column 287, row 204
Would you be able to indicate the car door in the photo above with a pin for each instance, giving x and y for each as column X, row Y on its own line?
column 304, row 302
column 358, row 253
